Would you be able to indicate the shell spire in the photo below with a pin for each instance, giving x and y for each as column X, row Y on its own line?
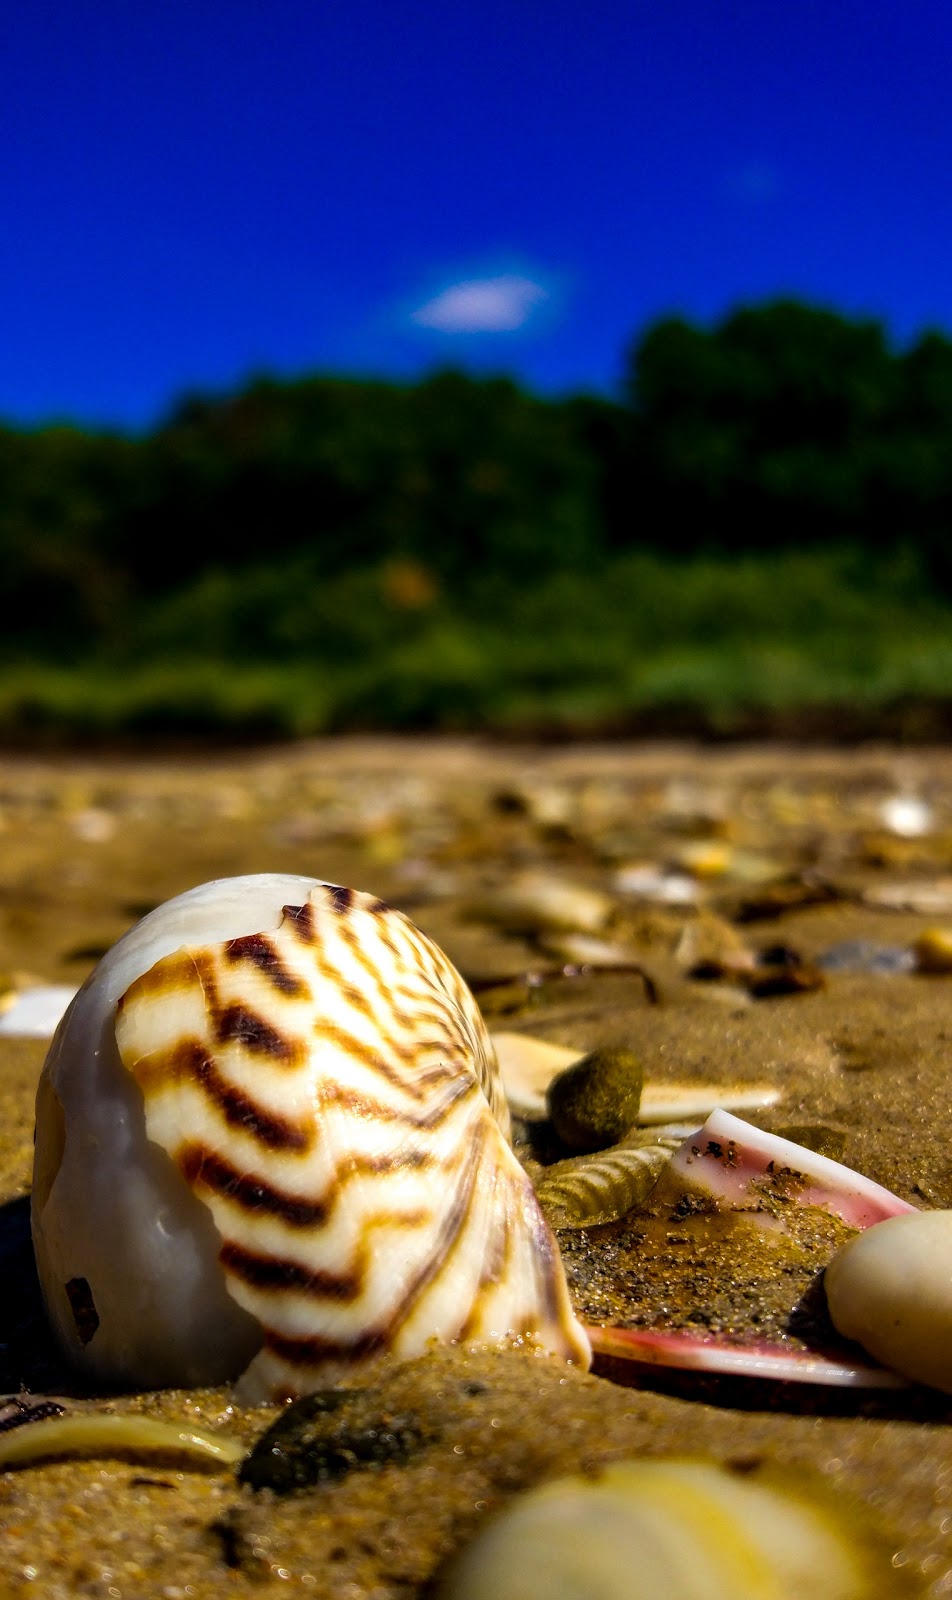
column 328, row 1092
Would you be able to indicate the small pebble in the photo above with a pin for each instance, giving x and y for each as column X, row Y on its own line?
column 93, row 825
column 594, row 1103
column 932, row 951
column 907, row 815
column 705, row 858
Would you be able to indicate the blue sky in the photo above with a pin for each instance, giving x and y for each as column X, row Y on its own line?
column 193, row 192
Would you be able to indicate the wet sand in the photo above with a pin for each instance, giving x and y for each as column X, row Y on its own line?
column 773, row 896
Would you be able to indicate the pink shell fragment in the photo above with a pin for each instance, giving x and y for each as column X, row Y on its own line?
column 727, row 1159
column 727, row 1155
column 651, row 1347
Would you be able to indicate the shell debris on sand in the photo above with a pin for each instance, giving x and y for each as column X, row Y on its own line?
column 865, row 1055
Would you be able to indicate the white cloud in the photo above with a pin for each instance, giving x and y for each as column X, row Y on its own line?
column 482, row 305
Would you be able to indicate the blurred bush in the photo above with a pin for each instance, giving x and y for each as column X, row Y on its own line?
column 764, row 519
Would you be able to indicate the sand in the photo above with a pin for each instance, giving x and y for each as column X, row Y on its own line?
column 843, row 858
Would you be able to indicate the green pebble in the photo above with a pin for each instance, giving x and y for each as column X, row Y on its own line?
column 594, row 1102
column 326, row 1435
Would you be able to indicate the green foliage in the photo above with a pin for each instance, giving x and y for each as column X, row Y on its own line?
column 787, row 422
column 765, row 521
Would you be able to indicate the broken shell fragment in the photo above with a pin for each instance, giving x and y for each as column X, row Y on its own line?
column 270, row 1136
column 582, row 950
column 33, row 1012
column 684, row 1529
column 728, row 1159
column 103, row 1434
column 527, row 1066
column 890, row 1289
column 669, row 1102
column 533, row 902
column 731, row 1165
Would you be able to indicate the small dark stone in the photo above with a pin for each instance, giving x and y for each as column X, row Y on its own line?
column 313, row 1443
column 594, row 1102
column 768, row 981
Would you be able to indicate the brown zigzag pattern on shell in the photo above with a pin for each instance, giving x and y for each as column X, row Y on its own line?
column 328, row 1090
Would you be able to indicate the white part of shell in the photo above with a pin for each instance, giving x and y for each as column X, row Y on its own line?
column 682, row 1529
column 274, row 1136
column 890, row 1289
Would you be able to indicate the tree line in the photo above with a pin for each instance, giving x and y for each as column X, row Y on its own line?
column 306, row 516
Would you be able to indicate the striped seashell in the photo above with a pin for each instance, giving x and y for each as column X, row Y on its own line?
column 270, row 1135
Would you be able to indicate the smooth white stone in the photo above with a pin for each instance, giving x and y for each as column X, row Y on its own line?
column 890, row 1289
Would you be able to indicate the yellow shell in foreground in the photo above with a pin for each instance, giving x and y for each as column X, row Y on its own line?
column 270, row 1136
column 681, row 1529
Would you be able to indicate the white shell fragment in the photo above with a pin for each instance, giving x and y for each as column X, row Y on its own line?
column 929, row 897
column 906, row 814
column 101, row 1434
column 269, row 1132
column 667, row 1102
column 681, row 1529
column 527, row 1066
column 890, row 1289
column 646, row 880
column 533, row 901
column 35, row 1013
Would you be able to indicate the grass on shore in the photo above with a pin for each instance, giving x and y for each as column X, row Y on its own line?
column 780, row 643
